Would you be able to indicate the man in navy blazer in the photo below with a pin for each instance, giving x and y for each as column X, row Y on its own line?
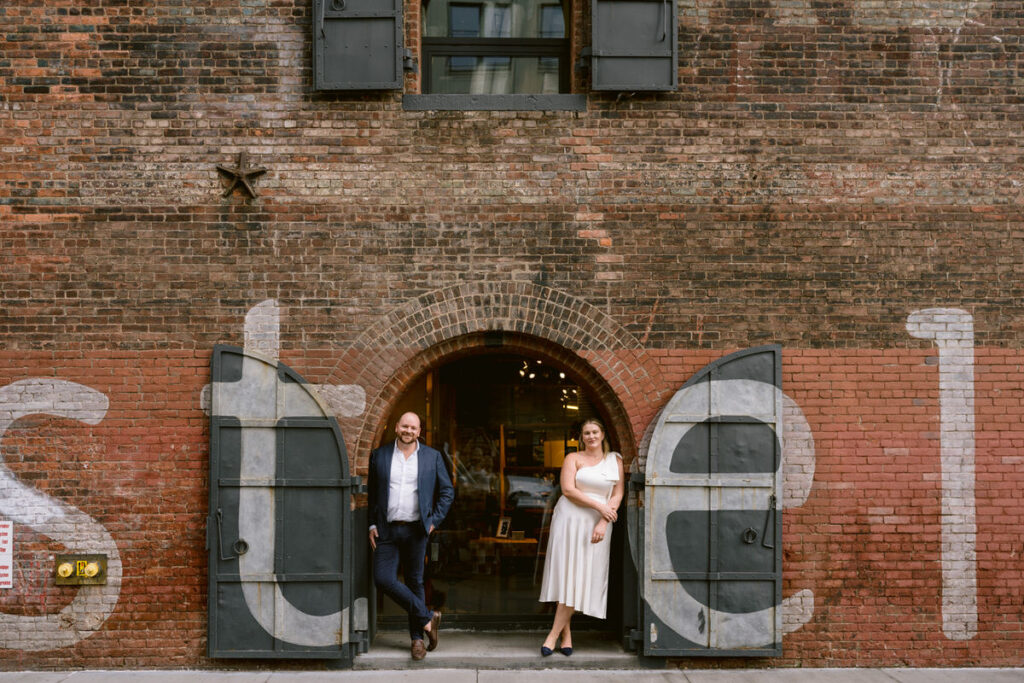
column 409, row 495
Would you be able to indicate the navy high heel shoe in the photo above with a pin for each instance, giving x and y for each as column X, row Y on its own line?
column 545, row 651
column 565, row 651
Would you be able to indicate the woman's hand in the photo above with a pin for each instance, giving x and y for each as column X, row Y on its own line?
column 600, row 529
column 608, row 513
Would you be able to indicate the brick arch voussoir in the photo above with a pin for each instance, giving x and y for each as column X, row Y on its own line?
column 379, row 408
column 416, row 335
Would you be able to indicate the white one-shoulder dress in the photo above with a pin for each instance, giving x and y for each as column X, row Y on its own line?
column 576, row 570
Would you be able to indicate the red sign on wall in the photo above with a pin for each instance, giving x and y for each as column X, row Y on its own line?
column 6, row 554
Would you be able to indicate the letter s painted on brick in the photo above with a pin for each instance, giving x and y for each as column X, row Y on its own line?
column 75, row 530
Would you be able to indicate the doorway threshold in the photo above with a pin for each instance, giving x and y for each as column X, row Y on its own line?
column 510, row 650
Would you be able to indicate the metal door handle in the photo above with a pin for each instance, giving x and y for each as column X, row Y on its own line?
column 240, row 546
column 767, row 519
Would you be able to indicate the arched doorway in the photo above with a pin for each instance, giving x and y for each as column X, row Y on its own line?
column 505, row 416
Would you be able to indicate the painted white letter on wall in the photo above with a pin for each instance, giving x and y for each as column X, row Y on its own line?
column 953, row 333
column 75, row 530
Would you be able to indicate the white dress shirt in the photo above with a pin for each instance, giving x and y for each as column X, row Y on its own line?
column 403, row 489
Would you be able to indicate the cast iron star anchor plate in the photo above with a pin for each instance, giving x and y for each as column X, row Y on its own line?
column 241, row 175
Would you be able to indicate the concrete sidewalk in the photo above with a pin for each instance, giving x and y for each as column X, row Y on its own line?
column 513, row 657
column 468, row 675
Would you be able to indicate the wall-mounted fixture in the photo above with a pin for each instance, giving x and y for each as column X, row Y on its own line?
column 80, row 570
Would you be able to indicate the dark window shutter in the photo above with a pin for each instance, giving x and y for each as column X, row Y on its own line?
column 357, row 44
column 634, row 44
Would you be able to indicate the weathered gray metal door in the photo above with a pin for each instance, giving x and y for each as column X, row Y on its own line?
column 711, row 556
column 279, row 530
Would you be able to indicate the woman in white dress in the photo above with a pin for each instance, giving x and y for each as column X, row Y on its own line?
column 579, row 544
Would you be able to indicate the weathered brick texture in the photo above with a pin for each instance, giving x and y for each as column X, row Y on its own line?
column 824, row 170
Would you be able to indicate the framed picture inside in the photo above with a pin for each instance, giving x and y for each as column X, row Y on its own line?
column 504, row 524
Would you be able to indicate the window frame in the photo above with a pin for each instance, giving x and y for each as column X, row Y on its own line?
column 560, row 48
column 497, row 47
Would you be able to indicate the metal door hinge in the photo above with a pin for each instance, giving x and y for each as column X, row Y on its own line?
column 408, row 62
column 584, row 59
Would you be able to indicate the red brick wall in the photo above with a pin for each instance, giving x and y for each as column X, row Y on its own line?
column 824, row 170
column 868, row 540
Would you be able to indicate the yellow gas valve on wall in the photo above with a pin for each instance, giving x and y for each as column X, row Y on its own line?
column 80, row 570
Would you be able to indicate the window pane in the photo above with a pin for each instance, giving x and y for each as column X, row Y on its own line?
column 494, row 46
column 464, row 21
column 494, row 75
column 493, row 19
column 462, row 63
column 498, row 22
column 552, row 21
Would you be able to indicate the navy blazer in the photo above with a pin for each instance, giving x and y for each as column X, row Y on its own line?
column 434, row 487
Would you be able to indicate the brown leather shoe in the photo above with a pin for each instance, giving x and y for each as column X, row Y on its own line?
column 432, row 634
column 418, row 651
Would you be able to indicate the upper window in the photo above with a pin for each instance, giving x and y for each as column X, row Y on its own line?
column 495, row 47
column 496, row 54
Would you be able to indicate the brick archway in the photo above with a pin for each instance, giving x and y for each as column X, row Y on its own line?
column 520, row 316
